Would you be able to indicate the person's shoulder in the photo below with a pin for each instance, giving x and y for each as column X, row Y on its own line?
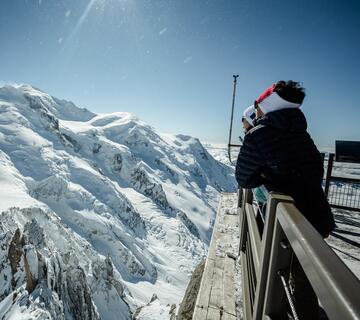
column 255, row 134
column 256, row 130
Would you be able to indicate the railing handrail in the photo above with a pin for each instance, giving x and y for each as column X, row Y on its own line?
column 335, row 285
column 344, row 179
column 331, row 279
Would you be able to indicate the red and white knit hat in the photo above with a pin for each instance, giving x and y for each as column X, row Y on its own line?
column 270, row 101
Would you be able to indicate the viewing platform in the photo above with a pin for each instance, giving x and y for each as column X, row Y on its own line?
column 216, row 297
column 249, row 272
column 246, row 271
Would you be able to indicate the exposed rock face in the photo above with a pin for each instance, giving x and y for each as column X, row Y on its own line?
column 117, row 162
column 52, row 281
column 172, row 312
column 69, row 141
column 188, row 223
column 187, row 306
column 35, row 234
column 15, row 255
column 142, row 182
column 48, row 119
column 96, row 147
column 80, row 302
column 32, row 262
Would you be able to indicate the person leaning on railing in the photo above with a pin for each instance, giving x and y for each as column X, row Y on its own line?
column 279, row 153
column 247, row 120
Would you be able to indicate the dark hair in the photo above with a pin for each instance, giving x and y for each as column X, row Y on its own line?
column 290, row 90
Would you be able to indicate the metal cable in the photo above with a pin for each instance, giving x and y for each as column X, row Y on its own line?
column 288, row 294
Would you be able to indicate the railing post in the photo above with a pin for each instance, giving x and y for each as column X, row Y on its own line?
column 246, row 198
column 328, row 174
column 323, row 156
column 266, row 245
column 275, row 301
column 240, row 197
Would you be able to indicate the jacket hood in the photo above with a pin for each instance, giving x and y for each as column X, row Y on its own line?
column 292, row 120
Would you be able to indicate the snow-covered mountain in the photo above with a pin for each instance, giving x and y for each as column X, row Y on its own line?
column 98, row 212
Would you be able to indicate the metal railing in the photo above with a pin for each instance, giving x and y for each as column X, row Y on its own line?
column 266, row 260
column 342, row 192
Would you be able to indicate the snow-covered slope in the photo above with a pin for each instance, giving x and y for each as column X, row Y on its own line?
column 98, row 212
column 220, row 151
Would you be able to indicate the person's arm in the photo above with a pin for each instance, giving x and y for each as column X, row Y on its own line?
column 249, row 165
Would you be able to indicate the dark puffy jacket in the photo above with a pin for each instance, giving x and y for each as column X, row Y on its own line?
column 279, row 153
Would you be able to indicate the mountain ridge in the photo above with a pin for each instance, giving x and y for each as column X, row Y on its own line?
column 143, row 203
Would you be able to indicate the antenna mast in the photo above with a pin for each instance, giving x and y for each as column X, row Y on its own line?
column 232, row 117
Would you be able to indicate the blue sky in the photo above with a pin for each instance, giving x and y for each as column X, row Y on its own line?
column 171, row 62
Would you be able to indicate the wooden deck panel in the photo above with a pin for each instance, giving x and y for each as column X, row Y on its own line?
column 216, row 297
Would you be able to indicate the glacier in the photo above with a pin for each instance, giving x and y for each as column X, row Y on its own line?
column 102, row 216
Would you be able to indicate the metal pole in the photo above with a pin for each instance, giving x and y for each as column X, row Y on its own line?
column 328, row 174
column 232, row 116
